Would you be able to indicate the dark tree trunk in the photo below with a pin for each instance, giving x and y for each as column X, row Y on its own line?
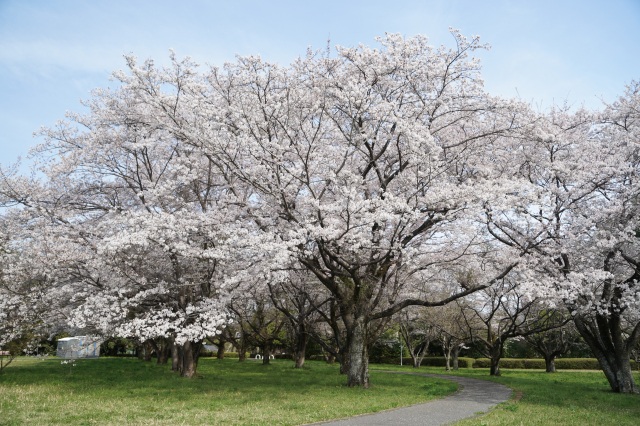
column 358, row 355
column 343, row 358
column 190, row 353
column 496, row 353
column 145, row 350
column 242, row 349
column 300, row 353
column 148, row 351
column 618, row 371
column 495, row 367
column 604, row 338
column 550, row 363
column 163, row 356
column 266, row 354
column 220, row 351
column 300, row 349
column 176, row 358
column 456, row 352
column 162, row 348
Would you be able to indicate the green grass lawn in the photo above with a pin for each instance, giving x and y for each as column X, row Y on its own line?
column 564, row 398
column 118, row 391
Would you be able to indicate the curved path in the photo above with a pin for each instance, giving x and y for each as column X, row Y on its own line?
column 473, row 397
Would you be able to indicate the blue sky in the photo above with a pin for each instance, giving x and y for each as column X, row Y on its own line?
column 52, row 53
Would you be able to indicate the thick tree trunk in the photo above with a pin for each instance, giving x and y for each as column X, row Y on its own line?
column 300, row 350
column 300, row 339
column 358, row 355
column 266, row 354
column 220, row 351
column 190, row 354
column 495, row 367
column 456, row 352
column 550, row 364
column 617, row 369
column 603, row 336
column 496, row 354
column 300, row 353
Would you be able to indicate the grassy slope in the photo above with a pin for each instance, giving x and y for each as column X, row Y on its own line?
column 129, row 391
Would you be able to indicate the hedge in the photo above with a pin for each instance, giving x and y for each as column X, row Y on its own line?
column 438, row 361
column 523, row 363
column 213, row 354
column 538, row 363
column 464, row 362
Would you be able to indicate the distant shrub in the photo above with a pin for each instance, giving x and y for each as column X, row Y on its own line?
column 534, row 363
column 504, row 363
column 205, row 353
column 482, row 363
column 433, row 361
column 538, row 363
column 512, row 363
column 465, row 362
column 522, row 363
column 577, row 364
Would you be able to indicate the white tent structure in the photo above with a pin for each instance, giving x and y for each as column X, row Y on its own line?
column 78, row 347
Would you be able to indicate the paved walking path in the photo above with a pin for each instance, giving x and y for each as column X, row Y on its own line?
column 473, row 397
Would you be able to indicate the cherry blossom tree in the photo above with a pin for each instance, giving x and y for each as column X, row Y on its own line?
column 262, row 324
column 28, row 311
column 369, row 166
column 417, row 331
column 299, row 299
column 502, row 312
column 135, row 227
column 451, row 330
column 556, row 341
column 576, row 217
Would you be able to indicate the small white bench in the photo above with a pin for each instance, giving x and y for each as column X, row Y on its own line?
column 258, row 356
